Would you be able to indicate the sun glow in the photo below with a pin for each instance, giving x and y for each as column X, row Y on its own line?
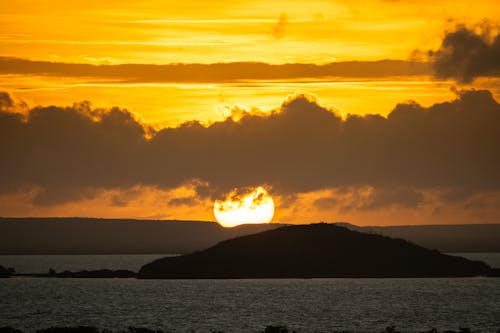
column 251, row 206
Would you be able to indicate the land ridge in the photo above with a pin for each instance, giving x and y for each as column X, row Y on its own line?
column 127, row 236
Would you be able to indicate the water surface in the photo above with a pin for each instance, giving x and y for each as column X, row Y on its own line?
column 306, row 305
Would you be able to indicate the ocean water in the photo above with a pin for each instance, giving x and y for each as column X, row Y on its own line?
column 304, row 305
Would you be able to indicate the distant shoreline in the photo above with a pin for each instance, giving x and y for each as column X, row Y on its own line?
column 126, row 236
column 127, row 274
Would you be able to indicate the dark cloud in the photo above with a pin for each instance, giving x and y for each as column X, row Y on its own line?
column 367, row 199
column 239, row 194
column 218, row 72
column 300, row 147
column 402, row 197
column 465, row 55
column 184, row 201
column 68, row 152
column 6, row 102
column 124, row 197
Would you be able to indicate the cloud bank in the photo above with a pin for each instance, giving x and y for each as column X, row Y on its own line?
column 217, row 72
column 70, row 152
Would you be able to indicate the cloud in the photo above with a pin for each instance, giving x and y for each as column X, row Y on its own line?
column 465, row 55
column 218, row 72
column 402, row 197
column 183, row 201
column 69, row 152
column 9, row 104
column 279, row 28
column 369, row 199
column 6, row 102
column 326, row 203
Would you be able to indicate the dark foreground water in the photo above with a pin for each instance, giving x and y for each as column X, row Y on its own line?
column 314, row 305
column 306, row 305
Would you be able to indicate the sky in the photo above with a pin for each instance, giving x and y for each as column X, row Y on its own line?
column 369, row 112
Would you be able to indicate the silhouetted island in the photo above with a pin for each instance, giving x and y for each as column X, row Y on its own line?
column 98, row 274
column 4, row 272
column 312, row 251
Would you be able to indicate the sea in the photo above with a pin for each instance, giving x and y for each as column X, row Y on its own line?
column 242, row 305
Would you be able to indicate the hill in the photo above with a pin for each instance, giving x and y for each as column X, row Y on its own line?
column 316, row 250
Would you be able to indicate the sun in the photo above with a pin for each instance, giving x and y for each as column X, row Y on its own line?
column 248, row 206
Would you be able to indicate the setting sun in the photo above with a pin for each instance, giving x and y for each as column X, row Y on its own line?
column 252, row 206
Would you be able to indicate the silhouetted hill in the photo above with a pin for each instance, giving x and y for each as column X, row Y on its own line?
column 317, row 250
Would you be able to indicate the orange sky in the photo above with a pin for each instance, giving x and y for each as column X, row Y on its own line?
column 213, row 32
column 155, row 31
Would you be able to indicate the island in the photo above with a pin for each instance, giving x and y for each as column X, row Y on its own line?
column 313, row 251
column 4, row 272
column 86, row 274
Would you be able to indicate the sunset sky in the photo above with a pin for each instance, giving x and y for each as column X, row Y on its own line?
column 370, row 112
